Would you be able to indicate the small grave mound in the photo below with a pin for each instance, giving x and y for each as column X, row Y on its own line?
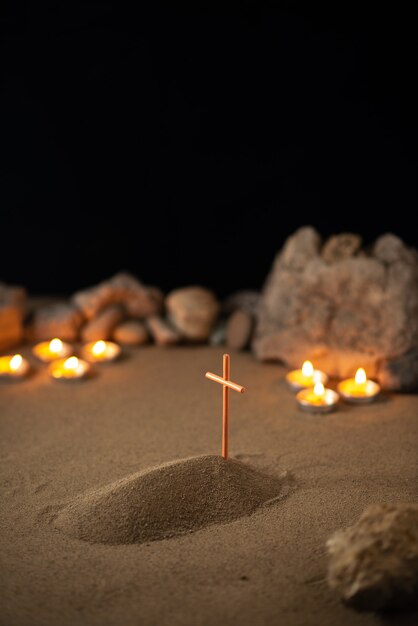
column 167, row 501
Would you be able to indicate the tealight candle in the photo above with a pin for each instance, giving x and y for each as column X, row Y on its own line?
column 317, row 399
column 305, row 377
column 48, row 351
column 101, row 351
column 359, row 389
column 13, row 366
column 72, row 368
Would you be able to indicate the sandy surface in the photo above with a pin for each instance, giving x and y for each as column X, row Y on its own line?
column 58, row 441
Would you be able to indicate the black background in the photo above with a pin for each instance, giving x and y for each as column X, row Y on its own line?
column 185, row 144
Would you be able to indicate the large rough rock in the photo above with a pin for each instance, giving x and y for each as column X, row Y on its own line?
column 374, row 563
column 12, row 310
column 55, row 320
column 193, row 311
column 138, row 300
column 344, row 312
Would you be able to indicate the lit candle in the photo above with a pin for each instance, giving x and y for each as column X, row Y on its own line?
column 48, row 351
column 305, row 377
column 101, row 351
column 13, row 366
column 72, row 368
column 317, row 399
column 359, row 389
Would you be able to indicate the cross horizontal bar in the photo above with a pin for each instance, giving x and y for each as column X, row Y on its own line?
column 227, row 383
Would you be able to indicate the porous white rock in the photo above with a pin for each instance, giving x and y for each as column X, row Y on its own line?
column 374, row 563
column 356, row 311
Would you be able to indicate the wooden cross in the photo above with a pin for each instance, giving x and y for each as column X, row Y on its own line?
column 227, row 385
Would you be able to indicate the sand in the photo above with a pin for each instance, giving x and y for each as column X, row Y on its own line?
column 59, row 444
column 169, row 500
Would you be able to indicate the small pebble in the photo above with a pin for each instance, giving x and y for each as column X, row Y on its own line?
column 101, row 327
column 131, row 333
column 218, row 334
column 193, row 311
column 162, row 333
column 239, row 330
column 55, row 320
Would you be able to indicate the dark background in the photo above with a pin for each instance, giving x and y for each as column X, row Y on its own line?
column 185, row 144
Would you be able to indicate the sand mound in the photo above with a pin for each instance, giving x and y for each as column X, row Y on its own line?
column 169, row 500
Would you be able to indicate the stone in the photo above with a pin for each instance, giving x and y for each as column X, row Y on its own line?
column 102, row 326
column 239, row 330
column 62, row 320
column 340, row 247
column 12, row 310
column 162, row 332
column 245, row 300
column 374, row 563
column 131, row 333
column 138, row 300
column 193, row 311
column 361, row 311
column 218, row 334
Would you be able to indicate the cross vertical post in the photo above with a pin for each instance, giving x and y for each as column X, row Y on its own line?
column 225, row 406
column 226, row 386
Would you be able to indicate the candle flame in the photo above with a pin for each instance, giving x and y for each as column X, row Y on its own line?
column 99, row 347
column 15, row 362
column 307, row 369
column 319, row 389
column 71, row 363
column 360, row 376
column 55, row 345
